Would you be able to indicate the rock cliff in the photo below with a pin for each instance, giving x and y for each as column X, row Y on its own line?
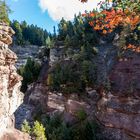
column 24, row 52
column 117, row 111
column 10, row 96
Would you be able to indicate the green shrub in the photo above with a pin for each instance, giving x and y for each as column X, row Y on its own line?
column 39, row 131
column 72, row 76
column 85, row 131
column 56, row 129
column 26, row 127
column 81, row 115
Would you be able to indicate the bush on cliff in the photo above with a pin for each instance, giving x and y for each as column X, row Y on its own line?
column 26, row 127
column 57, row 129
column 37, row 131
column 72, row 76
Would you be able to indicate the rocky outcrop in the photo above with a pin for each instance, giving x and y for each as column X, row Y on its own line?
column 52, row 103
column 10, row 81
column 121, row 114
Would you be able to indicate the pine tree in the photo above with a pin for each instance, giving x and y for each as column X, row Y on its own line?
column 4, row 10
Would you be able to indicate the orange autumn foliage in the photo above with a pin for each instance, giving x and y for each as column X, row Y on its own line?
column 110, row 19
column 132, row 48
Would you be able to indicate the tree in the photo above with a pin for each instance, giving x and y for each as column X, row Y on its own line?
column 49, row 42
column 4, row 11
column 18, row 32
column 62, row 28
column 67, row 41
column 29, row 72
column 122, row 13
column 28, row 34
column 37, row 131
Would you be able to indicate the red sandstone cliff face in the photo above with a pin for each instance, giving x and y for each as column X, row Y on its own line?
column 126, row 76
column 10, row 82
column 119, row 112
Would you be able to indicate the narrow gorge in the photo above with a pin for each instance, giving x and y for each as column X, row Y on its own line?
column 118, row 115
column 81, row 82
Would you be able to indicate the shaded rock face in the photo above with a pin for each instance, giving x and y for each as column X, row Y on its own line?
column 105, row 60
column 125, row 77
column 119, row 112
column 35, row 101
column 57, row 53
column 24, row 112
column 10, row 81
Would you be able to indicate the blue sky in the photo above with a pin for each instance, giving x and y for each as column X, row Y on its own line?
column 47, row 13
column 30, row 11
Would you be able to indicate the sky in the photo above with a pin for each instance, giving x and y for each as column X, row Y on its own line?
column 47, row 13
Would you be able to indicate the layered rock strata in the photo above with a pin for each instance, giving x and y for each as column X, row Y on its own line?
column 119, row 111
column 10, row 96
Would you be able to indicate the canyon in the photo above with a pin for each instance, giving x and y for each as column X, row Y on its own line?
column 117, row 111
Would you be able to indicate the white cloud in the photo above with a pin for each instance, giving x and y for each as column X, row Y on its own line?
column 66, row 8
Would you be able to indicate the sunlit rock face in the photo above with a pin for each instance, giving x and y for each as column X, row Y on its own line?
column 10, row 81
column 13, row 134
column 25, row 52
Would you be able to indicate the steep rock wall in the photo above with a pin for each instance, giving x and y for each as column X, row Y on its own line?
column 118, row 111
column 10, row 96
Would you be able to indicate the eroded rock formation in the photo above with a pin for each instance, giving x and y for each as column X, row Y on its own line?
column 10, row 82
